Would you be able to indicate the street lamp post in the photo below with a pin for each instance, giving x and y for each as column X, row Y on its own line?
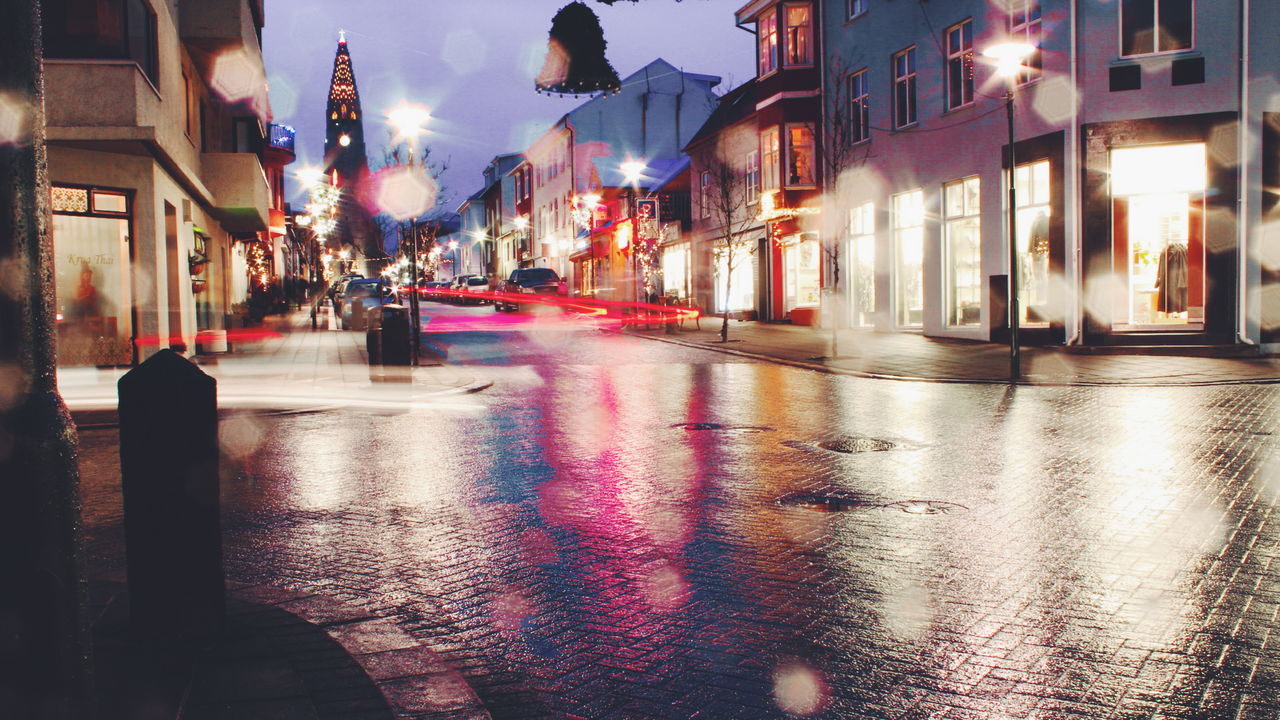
column 1008, row 58
column 408, row 121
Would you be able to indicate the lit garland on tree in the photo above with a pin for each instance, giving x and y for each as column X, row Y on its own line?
column 259, row 264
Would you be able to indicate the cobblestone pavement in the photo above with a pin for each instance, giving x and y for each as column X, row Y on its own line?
column 811, row 545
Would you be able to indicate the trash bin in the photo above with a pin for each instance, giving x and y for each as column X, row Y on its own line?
column 397, row 339
column 373, row 339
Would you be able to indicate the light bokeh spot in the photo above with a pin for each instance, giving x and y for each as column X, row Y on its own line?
column 404, row 191
column 464, row 51
column 11, row 130
column 798, row 689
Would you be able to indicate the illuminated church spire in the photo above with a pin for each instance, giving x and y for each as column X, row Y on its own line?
column 344, row 127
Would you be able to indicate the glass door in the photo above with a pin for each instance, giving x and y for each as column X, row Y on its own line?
column 1158, row 254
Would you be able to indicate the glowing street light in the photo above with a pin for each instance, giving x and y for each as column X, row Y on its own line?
column 408, row 120
column 1008, row 57
column 309, row 176
column 632, row 171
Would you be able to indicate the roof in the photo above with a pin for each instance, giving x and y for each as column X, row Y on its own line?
column 734, row 106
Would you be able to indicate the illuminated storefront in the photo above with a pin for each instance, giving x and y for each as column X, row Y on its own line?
column 801, row 270
column 736, row 278
column 91, row 273
column 908, row 258
column 1160, row 227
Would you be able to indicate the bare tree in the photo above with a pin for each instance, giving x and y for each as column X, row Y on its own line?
column 843, row 129
column 728, row 203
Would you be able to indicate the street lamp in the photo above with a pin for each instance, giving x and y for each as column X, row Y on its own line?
column 408, row 121
column 1008, row 57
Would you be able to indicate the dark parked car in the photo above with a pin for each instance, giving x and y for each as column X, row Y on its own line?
column 528, row 281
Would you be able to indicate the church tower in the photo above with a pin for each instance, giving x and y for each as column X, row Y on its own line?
column 344, row 149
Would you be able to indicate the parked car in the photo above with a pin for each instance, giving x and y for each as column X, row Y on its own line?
column 338, row 288
column 359, row 297
column 528, row 281
column 476, row 290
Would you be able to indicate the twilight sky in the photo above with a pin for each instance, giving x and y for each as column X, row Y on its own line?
column 472, row 62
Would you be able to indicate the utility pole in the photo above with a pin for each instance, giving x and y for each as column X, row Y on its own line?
column 44, row 664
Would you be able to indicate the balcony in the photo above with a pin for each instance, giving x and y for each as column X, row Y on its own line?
column 217, row 25
column 99, row 100
column 241, row 195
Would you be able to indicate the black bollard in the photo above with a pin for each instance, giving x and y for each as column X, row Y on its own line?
column 169, row 469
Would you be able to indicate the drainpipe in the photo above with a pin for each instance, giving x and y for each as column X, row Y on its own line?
column 1242, row 183
column 1077, row 194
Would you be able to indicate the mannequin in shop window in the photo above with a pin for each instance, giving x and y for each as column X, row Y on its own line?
column 1035, row 274
column 1171, row 280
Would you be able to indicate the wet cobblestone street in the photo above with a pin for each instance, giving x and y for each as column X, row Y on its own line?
column 620, row 528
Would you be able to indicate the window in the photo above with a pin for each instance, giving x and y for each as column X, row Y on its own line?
column 862, row 263
column 735, row 281
column 800, row 155
column 770, row 162
column 102, row 29
column 962, row 238
column 768, row 42
column 1025, row 26
column 188, row 96
column 856, row 8
column 1158, row 236
column 904, row 88
column 801, row 272
column 704, row 194
column 908, row 242
column 960, row 65
column 799, row 46
column 1033, row 242
column 1155, row 26
column 859, row 107
column 753, row 177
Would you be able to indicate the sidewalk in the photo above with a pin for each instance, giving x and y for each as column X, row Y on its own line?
column 296, row 369
column 909, row 356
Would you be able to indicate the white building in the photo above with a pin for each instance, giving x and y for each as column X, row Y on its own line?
column 1142, row 210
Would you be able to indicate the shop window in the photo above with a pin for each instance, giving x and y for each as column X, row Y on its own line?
column 802, row 272
column 904, row 88
column 960, row 65
column 862, row 263
column 91, row 277
column 859, row 107
column 1158, row 236
column 1026, row 25
column 799, row 43
column 1033, row 242
column 770, row 159
column 1156, row 26
column 962, row 233
column 675, row 271
column 908, row 243
column 768, row 42
column 735, row 279
column 110, row 202
column 800, row 155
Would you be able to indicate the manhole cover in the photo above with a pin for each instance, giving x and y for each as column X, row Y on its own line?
column 823, row 503
column 856, row 445
column 925, row 507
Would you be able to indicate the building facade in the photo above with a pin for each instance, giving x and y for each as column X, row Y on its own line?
column 158, row 129
column 1144, row 135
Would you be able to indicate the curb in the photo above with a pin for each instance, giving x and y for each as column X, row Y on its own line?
column 830, row 370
